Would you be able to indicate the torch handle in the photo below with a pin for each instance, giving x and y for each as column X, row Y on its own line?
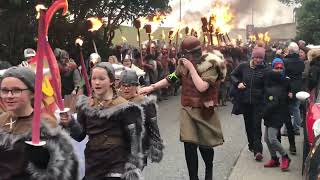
column 84, row 73
column 39, row 78
column 139, row 40
column 94, row 46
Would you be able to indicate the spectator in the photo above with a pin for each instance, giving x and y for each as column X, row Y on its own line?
column 113, row 60
column 276, row 110
column 294, row 68
column 249, row 78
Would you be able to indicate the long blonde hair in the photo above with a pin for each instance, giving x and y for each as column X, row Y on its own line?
column 114, row 58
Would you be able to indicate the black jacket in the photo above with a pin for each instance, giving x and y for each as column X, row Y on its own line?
column 276, row 99
column 294, row 69
column 314, row 74
column 253, row 78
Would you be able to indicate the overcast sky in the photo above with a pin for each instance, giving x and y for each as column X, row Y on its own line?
column 266, row 12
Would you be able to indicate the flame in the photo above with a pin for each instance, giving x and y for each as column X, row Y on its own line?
column 252, row 38
column 221, row 18
column 215, row 41
column 124, row 39
column 180, row 35
column 79, row 41
column 260, row 36
column 267, row 38
column 38, row 8
column 176, row 30
column 163, row 36
column 239, row 37
column 154, row 21
column 96, row 23
column 233, row 41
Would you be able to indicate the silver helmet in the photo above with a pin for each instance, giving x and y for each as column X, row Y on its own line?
column 94, row 59
column 129, row 77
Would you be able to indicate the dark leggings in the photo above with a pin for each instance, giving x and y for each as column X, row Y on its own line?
column 192, row 158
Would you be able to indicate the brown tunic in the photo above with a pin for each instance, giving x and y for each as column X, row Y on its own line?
column 12, row 157
column 198, row 124
column 105, row 123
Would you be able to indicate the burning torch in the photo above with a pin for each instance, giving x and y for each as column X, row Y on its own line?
column 148, row 31
column 204, row 28
column 79, row 42
column 96, row 24
column 170, row 38
column 137, row 25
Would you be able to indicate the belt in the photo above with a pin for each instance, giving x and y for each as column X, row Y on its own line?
column 100, row 140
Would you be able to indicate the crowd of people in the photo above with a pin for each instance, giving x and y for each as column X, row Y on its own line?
column 121, row 121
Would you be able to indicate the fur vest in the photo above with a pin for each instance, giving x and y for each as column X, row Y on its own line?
column 62, row 163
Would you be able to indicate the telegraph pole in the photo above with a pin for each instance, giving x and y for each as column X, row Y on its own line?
column 180, row 11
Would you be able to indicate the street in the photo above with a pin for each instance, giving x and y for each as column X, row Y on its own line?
column 173, row 166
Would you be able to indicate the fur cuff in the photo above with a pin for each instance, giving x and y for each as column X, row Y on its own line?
column 132, row 172
column 63, row 163
column 156, row 151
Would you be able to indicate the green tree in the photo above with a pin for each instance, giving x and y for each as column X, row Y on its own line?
column 308, row 20
column 19, row 25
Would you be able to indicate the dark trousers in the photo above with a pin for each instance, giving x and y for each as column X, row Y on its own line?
column 290, row 131
column 192, row 160
column 252, row 114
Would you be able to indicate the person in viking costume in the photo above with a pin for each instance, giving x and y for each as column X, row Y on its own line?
column 55, row 160
column 199, row 123
column 114, row 127
column 69, row 73
column 152, row 142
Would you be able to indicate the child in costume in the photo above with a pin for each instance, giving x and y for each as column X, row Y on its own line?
column 114, row 127
column 152, row 143
column 20, row 161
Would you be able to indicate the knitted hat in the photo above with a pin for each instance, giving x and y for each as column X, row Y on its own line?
column 277, row 62
column 258, row 52
column 26, row 75
column 109, row 68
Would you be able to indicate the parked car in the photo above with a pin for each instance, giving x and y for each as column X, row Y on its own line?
column 311, row 150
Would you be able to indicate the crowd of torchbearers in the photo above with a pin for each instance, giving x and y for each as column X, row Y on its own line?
column 63, row 118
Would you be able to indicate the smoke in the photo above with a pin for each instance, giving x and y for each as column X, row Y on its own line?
column 265, row 13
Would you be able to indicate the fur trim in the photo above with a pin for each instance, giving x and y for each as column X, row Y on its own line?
column 63, row 163
column 313, row 54
column 155, row 151
column 212, row 60
column 84, row 107
column 7, row 140
column 132, row 172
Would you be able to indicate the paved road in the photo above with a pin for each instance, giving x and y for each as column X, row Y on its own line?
column 173, row 166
